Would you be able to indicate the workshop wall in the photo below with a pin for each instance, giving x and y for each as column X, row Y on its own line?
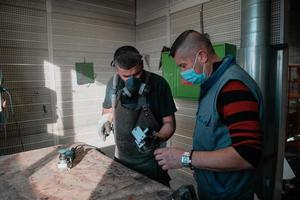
column 23, row 49
column 41, row 40
column 151, row 36
column 294, row 32
column 92, row 30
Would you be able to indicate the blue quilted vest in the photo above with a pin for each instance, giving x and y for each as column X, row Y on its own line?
column 210, row 134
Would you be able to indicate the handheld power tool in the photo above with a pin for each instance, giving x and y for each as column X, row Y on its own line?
column 66, row 157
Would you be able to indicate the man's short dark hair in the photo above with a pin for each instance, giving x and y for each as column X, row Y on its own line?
column 191, row 41
column 126, row 57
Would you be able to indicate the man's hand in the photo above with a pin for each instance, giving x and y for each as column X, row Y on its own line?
column 169, row 158
column 151, row 143
column 104, row 127
column 152, row 138
column 4, row 103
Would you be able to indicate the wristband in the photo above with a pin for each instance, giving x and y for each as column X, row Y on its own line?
column 191, row 154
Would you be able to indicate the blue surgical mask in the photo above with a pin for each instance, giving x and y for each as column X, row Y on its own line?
column 192, row 76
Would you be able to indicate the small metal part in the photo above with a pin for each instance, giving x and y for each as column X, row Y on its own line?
column 45, row 108
column 139, row 136
column 62, row 162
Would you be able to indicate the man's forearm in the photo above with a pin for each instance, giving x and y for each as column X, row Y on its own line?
column 220, row 160
column 106, row 110
column 168, row 128
column 108, row 113
column 166, row 131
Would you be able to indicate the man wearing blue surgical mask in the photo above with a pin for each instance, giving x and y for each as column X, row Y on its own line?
column 137, row 100
column 227, row 140
column 191, row 76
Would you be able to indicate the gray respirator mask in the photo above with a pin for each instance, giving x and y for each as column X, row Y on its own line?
column 134, row 86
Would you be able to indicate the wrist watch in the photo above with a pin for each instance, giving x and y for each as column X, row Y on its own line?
column 186, row 159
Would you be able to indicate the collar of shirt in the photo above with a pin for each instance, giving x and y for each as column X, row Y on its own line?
column 217, row 73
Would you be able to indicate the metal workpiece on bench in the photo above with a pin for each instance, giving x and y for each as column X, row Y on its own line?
column 35, row 175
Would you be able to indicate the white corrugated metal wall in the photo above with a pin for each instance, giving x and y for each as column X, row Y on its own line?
column 23, row 49
column 92, row 30
column 42, row 39
column 40, row 42
column 294, row 32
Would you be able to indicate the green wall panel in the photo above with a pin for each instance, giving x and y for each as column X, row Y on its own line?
column 171, row 72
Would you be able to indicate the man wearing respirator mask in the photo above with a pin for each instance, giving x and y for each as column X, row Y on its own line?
column 138, row 107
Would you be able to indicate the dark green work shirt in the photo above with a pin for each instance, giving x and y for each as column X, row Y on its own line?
column 159, row 98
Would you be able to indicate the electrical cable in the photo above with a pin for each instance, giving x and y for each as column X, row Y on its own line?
column 14, row 117
column 4, row 124
column 4, row 112
column 82, row 145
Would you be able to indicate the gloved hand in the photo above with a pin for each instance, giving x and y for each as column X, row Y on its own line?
column 151, row 142
column 104, row 127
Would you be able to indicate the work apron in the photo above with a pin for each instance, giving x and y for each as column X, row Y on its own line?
column 126, row 150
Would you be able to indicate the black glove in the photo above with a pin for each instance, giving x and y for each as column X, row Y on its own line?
column 104, row 130
column 151, row 142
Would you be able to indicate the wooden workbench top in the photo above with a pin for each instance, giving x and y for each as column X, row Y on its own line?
column 34, row 175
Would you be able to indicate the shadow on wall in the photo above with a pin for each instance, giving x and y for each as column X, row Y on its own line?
column 31, row 124
column 31, row 114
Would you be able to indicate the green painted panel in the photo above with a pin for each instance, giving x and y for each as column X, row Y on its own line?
column 225, row 49
column 169, row 70
column 85, row 73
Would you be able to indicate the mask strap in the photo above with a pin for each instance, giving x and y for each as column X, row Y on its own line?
column 126, row 91
column 195, row 60
column 142, row 87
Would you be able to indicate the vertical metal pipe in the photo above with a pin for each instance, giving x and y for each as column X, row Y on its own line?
column 281, row 96
column 280, row 118
column 254, row 58
column 255, row 32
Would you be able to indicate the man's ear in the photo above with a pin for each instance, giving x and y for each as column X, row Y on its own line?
column 203, row 57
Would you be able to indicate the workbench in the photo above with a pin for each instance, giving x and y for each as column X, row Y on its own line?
column 34, row 175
